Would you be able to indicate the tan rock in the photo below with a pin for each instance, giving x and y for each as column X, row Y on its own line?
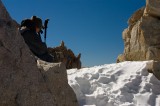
column 152, row 8
column 141, row 38
column 136, row 16
column 121, row 58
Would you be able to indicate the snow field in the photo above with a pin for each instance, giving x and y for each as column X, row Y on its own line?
column 122, row 84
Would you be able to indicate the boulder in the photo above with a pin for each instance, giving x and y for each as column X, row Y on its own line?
column 55, row 76
column 141, row 38
column 154, row 67
column 23, row 83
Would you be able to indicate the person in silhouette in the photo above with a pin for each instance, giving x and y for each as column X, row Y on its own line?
column 30, row 30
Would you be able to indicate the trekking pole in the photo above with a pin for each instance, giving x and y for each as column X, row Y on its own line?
column 45, row 29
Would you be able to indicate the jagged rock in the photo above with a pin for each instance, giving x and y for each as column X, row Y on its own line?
column 136, row 16
column 22, row 82
column 152, row 8
column 141, row 38
column 66, row 56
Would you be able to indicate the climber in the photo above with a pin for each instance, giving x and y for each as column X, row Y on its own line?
column 30, row 30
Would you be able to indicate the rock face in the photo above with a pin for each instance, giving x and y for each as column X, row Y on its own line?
column 153, row 8
column 142, row 37
column 23, row 83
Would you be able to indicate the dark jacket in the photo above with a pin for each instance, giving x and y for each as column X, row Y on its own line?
column 34, row 42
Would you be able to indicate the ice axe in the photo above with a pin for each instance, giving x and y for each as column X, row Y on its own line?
column 45, row 29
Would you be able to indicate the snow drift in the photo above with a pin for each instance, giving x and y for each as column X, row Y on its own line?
column 122, row 84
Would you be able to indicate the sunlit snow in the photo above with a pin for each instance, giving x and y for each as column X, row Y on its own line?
column 122, row 84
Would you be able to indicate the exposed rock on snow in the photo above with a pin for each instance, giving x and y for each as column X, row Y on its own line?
column 141, row 38
column 122, row 84
column 21, row 82
column 154, row 67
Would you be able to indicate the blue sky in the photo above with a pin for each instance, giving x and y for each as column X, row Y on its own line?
column 90, row 27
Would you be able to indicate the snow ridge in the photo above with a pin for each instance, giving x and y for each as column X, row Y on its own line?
column 122, row 84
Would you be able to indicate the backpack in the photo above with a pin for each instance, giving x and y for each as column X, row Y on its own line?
column 27, row 23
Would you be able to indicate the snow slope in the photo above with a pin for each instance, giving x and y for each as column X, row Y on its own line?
column 122, row 84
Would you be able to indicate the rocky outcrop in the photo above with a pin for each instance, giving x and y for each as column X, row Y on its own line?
column 141, row 38
column 63, row 54
column 22, row 82
column 154, row 67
